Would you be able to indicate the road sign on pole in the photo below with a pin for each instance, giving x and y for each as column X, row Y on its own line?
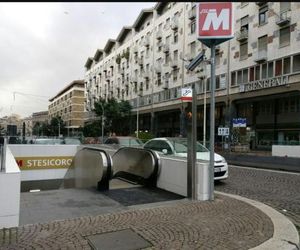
column 214, row 25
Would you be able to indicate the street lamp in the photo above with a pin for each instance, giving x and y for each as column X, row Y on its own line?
column 137, row 117
column 102, row 121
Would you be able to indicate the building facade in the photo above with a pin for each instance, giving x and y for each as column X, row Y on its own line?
column 69, row 105
column 257, row 72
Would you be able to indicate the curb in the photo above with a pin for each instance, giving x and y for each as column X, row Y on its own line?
column 285, row 236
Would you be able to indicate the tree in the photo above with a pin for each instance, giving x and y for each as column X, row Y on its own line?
column 117, row 115
column 56, row 126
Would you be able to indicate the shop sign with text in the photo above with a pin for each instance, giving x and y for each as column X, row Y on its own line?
column 47, row 162
column 263, row 84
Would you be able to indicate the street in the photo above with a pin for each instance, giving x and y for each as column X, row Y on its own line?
column 278, row 189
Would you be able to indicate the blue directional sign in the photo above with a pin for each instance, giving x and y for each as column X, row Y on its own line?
column 239, row 122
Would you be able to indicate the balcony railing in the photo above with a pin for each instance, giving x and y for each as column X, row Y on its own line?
column 261, row 56
column 242, row 35
column 135, row 49
column 284, row 18
column 157, row 69
column 166, row 48
column 174, row 23
column 158, row 34
column 146, row 41
column 174, row 63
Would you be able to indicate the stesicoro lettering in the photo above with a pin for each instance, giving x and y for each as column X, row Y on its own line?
column 44, row 162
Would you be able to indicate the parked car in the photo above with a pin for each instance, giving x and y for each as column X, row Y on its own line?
column 178, row 147
column 124, row 141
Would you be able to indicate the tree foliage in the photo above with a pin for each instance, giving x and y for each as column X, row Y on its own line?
column 117, row 115
column 50, row 129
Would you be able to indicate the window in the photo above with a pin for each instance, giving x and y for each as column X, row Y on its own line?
column 217, row 82
column 284, row 36
column 208, row 84
column 287, row 65
column 175, row 37
column 158, row 79
column 175, row 55
column 263, row 43
column 233, row 79
column 193, row 27
column 264, row 71
column 239, row 77
column 296, row 63
column 251, row 75
column 167, row 40
column 168, row 22
column 193, row 48
column 167, row 58
column 222, row 81
column 270, row 69
column 245, row 76
column 262, row 16
column 175, row 75
column 257, row 72
column 285, row 6
column 243, row 50
column 278, row 67
column 244, row 23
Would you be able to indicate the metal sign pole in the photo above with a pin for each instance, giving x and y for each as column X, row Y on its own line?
column 194, row 142
column 212, row 125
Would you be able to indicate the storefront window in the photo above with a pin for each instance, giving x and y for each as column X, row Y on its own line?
column 251, row 76
column 245, row 75
column 264, row 71
column 257, row 72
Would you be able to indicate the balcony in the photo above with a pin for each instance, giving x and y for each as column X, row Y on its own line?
column 135, row 49
column 140, row 61
column 192, row 14
column 174, row 23
column 173, row 63
column 134, row 79
column 146, row 41
column 157, row 68
column 261, row 56
column 284, row 18
column 158, row 34
column 166, row 84
column 242, row 35
column 146, row 74
column 166, row 48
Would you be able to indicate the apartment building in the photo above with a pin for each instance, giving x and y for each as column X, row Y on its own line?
column 257, row 72
column 69, row 105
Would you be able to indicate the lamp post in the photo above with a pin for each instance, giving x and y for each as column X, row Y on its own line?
column 137, row 117
column 102, row 129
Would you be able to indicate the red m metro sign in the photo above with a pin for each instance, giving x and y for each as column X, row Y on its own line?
column 215, row 21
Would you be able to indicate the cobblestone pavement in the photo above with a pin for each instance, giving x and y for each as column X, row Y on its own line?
column 279, row 190
column 224, row 223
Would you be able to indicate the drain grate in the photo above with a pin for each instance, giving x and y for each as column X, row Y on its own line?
column 120, row 240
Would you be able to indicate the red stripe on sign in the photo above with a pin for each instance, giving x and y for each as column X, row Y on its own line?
column 186, row 98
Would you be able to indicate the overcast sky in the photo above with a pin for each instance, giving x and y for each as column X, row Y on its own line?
column 44, row 46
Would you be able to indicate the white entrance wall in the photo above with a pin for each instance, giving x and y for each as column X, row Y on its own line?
column 10, row 193
column 43, row 151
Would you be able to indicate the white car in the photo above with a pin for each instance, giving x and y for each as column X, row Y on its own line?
column 178, row 147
